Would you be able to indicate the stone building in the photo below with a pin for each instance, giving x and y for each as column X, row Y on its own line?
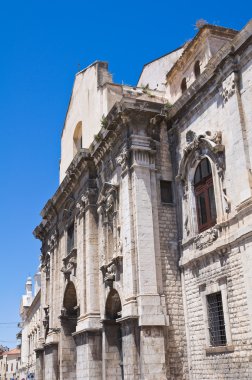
column 146, row 244
column 30, row 335
column 9, row 364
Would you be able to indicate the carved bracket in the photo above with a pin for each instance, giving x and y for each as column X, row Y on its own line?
column 107, row 200
column 123, row 159
column 111, row 272
column 70, row 264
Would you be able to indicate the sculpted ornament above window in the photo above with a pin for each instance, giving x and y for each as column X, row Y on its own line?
column 214, row 141
column 206, row 238
column 198, row 146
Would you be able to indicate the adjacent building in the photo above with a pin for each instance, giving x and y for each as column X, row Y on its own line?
column 9, row 364
column 146, row 243
column 30, row 333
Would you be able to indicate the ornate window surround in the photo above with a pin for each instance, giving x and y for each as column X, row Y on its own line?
column 199, row 147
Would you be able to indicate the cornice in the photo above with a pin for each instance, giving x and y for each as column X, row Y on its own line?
column 121, row 114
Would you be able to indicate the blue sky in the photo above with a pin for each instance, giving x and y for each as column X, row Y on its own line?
column 43, row 44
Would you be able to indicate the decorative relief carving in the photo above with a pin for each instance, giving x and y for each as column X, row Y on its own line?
column 53, row 240
column 111, row 272
column 80, row 205
column 199, row 146
column 46, row 320
column 108, row 209
column 70, row 264
column 107, row 201
column 68, row 208
column 213, row 142
column 45, row 264
column 228, row 87
column 206, row 238
column 123, row 159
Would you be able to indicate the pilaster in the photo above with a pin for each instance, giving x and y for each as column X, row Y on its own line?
column 150, row 308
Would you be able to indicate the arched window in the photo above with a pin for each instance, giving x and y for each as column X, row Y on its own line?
column 183, row 85
column 77, row 138
column 204, row 194
column 197, row 69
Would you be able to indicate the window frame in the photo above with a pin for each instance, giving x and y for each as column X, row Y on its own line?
column 202, row 187
column 216, row 321
column 169, row 190
column 205, row 290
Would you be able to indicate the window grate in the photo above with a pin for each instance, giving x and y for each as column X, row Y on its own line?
column 216, row 320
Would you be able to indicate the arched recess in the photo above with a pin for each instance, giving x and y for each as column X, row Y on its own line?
column 113, row 354
column 199, row 147
column 70, row 301
column 77, row 138
column 113, row 306
column 196, row 69
column 68, row 318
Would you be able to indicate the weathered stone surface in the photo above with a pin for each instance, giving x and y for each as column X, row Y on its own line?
column 131, row 301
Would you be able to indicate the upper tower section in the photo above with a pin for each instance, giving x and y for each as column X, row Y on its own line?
column 194, row 59
column 93, row 96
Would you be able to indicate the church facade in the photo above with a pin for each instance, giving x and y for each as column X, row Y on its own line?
column 146, row 244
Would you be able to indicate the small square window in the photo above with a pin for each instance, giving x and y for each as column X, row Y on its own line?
column 166, row 191
column 216, row 322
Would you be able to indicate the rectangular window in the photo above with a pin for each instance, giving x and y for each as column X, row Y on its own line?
column 70, row 238
column 166, row 191
column 217, row 331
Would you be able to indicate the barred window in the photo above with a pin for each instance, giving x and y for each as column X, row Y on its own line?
column 217, row 331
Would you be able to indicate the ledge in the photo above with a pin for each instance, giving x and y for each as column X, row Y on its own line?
column 219, row 350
